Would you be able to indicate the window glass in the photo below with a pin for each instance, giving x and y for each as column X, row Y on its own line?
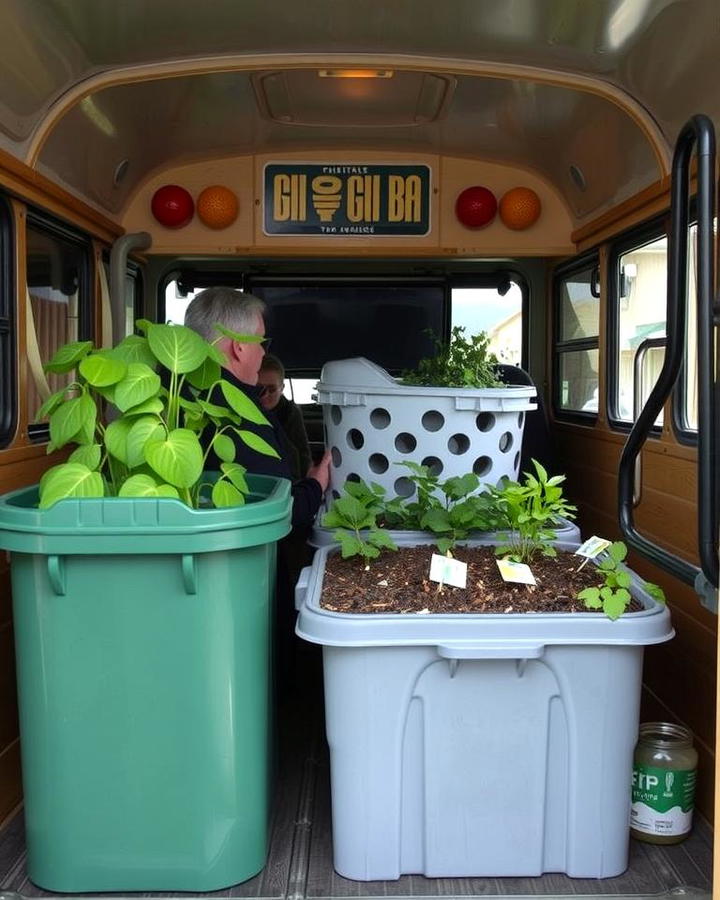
column 642, row 293
column 579, row 310
column 690, row 381
column 578, row 380
column 55, row 271
column 485, row 309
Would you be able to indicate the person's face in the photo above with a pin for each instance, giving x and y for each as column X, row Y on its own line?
column 271, row 385
column 245, row 359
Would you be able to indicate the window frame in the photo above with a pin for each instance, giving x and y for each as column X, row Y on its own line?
column 8, row 319
column 630, row 240
column 561, row 274
column 42, row 221
column 684, row 434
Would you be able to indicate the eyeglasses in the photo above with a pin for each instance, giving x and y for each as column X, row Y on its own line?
column 265, row 343
column 270, row 389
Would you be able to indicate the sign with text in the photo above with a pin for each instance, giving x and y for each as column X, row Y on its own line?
column 343, row 199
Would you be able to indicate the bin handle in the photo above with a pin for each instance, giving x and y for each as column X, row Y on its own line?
column 301, row 587
column 56, row 574
column 492, row 650
column 189, row 573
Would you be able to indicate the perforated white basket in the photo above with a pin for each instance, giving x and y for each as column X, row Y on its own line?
column 372, row 423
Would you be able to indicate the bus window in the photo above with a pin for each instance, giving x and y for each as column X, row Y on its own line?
column 486, row 309
column 577, row 317
column 8, row 408
column 57, row 282
column 641, row 280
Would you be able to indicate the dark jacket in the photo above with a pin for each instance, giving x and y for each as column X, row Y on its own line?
column 290, row 417
column 306, row 492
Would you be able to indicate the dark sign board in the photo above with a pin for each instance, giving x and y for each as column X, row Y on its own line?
column 344, row 199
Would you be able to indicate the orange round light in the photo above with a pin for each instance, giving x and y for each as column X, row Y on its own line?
column 217, row 206
column 520, row 208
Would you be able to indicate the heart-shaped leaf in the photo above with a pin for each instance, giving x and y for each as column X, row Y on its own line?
column 144, row 429
column 134, row 349
column 102, row 369
column 145, row 486
column 116, row 435
column 236, row 474
column 50, row 405
column 178, row 459
column 68, row 356
column 139, row 384
column 69, row 419
column 205, row 375
column 70, row 480
column 178, row 348
column 242, row 404
column 226, row 494
column 87, row 454
column 224, row 447
column 152, row 406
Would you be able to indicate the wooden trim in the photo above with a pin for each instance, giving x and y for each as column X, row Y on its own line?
column 28, row 185
column 608, row 221
column 21, row 370
column 671, row 449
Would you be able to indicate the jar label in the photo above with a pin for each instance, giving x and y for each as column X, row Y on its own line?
column 662, row 800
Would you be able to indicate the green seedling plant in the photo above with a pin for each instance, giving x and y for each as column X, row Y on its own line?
column 407, row 514
column 356, row 528
column 612, row 595
column 136, row 413
column 463, row 362
column 459, row 516
column 531, row 510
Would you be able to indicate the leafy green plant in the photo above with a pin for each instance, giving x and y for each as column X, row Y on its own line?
column 350, row 516
column 136, row 412
column 464, row 511
column 407, row 514
column 530, row 510
column 612, row 595
column 461, row 363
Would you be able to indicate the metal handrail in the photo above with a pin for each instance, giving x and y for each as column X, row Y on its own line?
column 638, row 391
column 699, row 133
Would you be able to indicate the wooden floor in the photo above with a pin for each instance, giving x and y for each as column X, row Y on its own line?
column 300, row 860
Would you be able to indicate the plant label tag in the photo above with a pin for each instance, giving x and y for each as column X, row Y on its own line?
column 514, row 571
column 448, row 571
column 592, row 547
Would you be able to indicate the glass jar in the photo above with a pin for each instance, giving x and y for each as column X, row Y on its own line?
column 663, row 784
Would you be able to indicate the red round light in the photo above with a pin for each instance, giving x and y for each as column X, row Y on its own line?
column 172, row 206
column 476, row 207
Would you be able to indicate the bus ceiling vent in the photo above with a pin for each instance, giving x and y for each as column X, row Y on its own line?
column 140, row 240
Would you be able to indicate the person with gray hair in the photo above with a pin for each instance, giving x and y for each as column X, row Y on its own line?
column 243, row 314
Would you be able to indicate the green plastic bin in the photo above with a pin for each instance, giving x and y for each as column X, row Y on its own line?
column 142, row 631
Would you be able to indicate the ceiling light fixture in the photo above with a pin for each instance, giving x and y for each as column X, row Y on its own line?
column 356, row 73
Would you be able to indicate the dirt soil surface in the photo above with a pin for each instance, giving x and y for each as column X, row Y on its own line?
column 398, row 582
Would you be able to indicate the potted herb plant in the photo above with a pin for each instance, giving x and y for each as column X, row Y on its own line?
column 485, row 730
column 453, row 410
column 141, row 591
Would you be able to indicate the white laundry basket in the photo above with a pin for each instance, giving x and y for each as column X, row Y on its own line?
column 373, row 422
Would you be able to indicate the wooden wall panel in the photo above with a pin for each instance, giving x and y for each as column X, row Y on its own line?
column 679, row 676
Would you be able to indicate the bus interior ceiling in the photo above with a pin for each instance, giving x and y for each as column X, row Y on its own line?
column 345, row 134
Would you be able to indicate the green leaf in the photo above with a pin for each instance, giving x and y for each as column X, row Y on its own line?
column 143, row 325
column 134, row 349
column 623, row 579
column 255, row 442
column 142, row 430
column 178, row 348
column 178, row 459
column 354, row 513
column 139, row 384
column 139, row 486
column 436, row 520
column 88, row 455
column 615, row 606
column 68, row 419
column 153, row 406
column 50, row 405
column 212, row 409
column 226, row 494
column 216, row 354
column 70, row 479
column 242, row 404
column 236, row 475
column 381, row 539
column 445, row 544
column 167, row 490
column 236, row 336
column 655, row 591
column 591, row 596
column 350, row 545
column 205, row 375
column 68, row 356
column 102, row 370
column 618, row 551
column 224, row 448
column 116, row 438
